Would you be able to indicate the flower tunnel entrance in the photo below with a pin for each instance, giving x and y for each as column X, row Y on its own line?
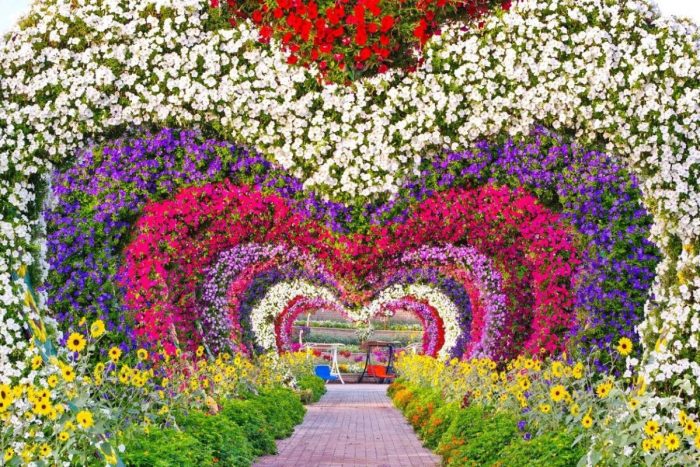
column 202, row 242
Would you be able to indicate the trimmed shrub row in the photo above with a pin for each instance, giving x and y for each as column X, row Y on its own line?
column 478, row 436
column 242, row 430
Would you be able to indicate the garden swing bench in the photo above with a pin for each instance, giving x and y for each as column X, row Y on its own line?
column 381, row 372
column 328, row 372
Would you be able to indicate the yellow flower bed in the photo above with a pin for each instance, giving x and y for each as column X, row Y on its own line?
column 612, row 410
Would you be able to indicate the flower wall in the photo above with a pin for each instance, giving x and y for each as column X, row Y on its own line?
column 449, row 156
column 233, row 252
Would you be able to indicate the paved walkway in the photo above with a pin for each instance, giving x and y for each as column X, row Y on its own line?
column 352, row 425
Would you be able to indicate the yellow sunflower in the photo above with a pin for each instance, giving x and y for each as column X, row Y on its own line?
column 624, row 346
column 603, row 389
column 44, row 450
column 651, row 427
column 36, row 362
column 557, row 393
column 76, row 342
column 68, row 373
column 672, row 442
column 85, row 419
column 587, row 421
column 52, row 381
column 574, row 409
column 689, row 427
column 115, row 353
column 42, row 408
column 97, row 328
column 6, row 394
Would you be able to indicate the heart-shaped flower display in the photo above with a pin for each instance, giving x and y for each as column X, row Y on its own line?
column 220, row 232
column 177, row 238
column 348, row 39
column 444, row 307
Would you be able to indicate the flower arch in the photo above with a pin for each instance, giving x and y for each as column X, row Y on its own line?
column 141, row 173
column 102, row 69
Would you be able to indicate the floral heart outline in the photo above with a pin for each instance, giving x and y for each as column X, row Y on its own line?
column 181, row 236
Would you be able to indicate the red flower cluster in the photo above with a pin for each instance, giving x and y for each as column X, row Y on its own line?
column 351, row 38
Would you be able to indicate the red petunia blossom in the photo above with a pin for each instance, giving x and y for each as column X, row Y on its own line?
column 359, row 12
column 333, row 16
column 265, row 33
column 361, row 37
column 312, row 10
column 420, row 31
column 387, row 23
column 365, row 53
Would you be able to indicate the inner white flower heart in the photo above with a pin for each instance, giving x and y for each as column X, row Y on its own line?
column 280, row 295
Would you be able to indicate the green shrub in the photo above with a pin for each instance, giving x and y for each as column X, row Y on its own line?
column 281, row 408
column 553, row 449
column 313, row 383
column 280, row 424
column 164, row 448
column 224, row 437
column 402, row 397
column 476, row 436
column 438, row 423
column 255, row 426
column 285, row 400
column 419, row 410
column 395, row 387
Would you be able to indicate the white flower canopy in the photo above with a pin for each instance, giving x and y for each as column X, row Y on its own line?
column 613, row 76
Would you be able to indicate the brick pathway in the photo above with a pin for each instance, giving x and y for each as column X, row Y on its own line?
column 352, row 425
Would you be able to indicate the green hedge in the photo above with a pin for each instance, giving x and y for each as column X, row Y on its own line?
column 254, row 425
column 314, row 384
column 550, row 449
column 227, row 440
column 242, row 430
column 281, row 408
column 420, row 409
column 438, row 423
column 476, row 436
column 164, row 448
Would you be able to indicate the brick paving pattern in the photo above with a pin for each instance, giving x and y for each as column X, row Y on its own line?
column 352, row 425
